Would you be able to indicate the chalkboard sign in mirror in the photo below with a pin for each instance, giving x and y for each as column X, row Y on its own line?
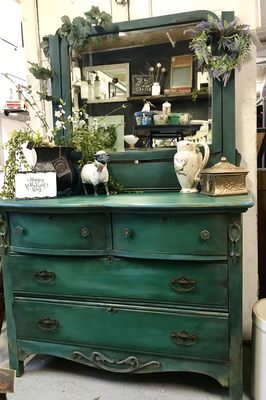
column 141, row 85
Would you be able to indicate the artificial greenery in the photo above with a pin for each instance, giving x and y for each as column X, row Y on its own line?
column 43, row 75
column 90, row 140
column 80, row 29
column 220, row 47
column 196, row 92
column 40, row 72
column 16, row 159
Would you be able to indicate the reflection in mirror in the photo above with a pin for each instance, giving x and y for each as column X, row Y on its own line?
column 108, row 82
column 138, row 51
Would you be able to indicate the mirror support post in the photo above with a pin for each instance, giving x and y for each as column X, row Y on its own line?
column 228, row 110
column 61, row 79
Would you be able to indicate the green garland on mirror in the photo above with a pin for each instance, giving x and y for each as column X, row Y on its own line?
column 220, row 47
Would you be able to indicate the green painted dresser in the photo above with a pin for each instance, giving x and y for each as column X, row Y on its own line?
column 129, row 283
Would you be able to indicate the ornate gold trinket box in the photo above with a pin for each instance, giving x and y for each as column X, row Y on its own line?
column 223, row 179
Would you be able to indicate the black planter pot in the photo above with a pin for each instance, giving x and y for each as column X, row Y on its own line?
column 59, row 159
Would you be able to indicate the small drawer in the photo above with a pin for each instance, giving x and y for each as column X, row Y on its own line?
column 198, row 335
column 172, row 234
column 160, row 281
column 57, row 232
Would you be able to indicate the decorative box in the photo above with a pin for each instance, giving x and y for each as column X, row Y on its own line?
column 35, row 185
column 223, row 179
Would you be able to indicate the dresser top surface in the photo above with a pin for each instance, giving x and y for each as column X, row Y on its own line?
column 134, row 201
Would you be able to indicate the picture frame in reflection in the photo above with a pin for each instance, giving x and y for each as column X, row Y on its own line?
column 181, row 72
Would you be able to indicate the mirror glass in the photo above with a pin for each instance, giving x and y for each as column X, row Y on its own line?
column 128, row 63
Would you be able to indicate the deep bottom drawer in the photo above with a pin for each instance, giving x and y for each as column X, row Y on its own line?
column 149, row 330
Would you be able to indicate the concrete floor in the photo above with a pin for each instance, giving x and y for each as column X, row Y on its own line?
column 51, row 378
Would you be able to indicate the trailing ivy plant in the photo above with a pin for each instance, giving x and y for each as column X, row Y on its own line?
column 16, row 159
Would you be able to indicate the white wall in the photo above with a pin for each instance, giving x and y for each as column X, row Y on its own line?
column 11, row 50
column 247, row 13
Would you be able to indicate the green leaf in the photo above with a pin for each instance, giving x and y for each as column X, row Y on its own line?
column 40, row 72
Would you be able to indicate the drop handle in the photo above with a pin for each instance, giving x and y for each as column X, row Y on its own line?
column 184, row 338
column 127, row 232
column 183, row 284
column 48, row 324
column 44, row 276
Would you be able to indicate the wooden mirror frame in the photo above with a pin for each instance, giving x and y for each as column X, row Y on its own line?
column 223, row 98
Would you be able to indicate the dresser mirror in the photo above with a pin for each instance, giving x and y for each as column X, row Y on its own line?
column 128, row 60
column 142, row 44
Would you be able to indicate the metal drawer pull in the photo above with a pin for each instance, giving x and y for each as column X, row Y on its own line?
column 44, row 276
column 183, row 284
column 205, row 235
column 184, row 338
column 85, row 232
column 127, row 232
column 19, row 230
column 48, row 324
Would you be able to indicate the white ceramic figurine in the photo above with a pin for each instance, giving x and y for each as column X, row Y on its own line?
column 96, row 173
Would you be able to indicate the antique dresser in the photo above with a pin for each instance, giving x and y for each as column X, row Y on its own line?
column 129, row 283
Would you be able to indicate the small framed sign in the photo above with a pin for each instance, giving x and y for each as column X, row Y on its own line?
column 35, row 185
column 141, row 85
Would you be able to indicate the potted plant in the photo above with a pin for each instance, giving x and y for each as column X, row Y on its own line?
column 54, row 149
column 52, row 144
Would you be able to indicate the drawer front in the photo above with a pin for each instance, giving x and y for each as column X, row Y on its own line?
column 199, row 283
column 58, row 231
column 150, row 330
column 175, row 234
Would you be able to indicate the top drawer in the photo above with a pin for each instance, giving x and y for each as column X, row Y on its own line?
column 60, row 232
column 171, row 234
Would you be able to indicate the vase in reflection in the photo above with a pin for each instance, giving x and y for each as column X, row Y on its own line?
column 131, row 140
column 155, row 89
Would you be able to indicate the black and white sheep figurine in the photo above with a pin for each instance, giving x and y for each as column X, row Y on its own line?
column 96, row 172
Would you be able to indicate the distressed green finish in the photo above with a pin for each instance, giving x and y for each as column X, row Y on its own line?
column 167, row 298
column 156, row 280
column 169, row 234
column 143, row 329
column 50, row 231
